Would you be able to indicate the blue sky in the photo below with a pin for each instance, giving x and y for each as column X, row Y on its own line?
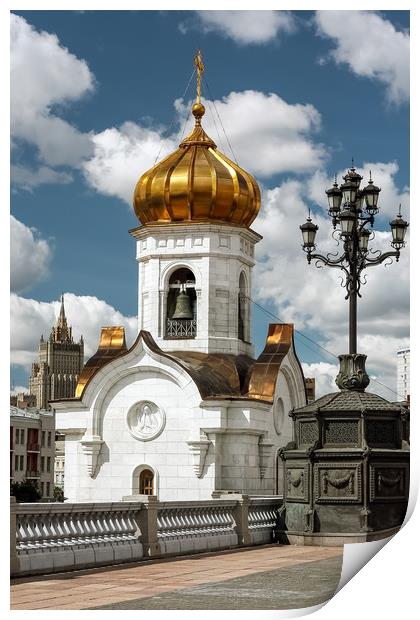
column 299, row 95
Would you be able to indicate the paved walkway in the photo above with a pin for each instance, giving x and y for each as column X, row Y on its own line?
column 268, row 577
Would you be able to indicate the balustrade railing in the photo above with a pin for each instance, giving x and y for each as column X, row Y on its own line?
column 194, row 526
column 262, row 520
column 51, row 537
column 33, row 473
column 181, row 328
column 59, row 536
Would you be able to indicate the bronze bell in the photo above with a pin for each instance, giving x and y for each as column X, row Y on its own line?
column 183, row 306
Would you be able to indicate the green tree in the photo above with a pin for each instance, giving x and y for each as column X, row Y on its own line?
column 58, row 494
column 26, row 491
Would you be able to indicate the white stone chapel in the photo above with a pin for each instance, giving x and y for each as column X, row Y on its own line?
column 187, row 410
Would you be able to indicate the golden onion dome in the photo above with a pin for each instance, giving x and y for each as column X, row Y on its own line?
column 197, row 183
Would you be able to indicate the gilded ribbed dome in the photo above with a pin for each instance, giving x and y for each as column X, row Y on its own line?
column 197, row 183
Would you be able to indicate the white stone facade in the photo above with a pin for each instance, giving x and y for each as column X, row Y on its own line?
column 217, row 255
column 192, row 446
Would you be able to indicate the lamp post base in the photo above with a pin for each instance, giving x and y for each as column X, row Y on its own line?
column 352, row 375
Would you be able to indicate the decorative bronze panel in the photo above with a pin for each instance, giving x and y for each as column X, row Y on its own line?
column 338, row 483
column 297, row 483
column 381, row 433
column 388, row 482
column 308, row 432
column 341, row 432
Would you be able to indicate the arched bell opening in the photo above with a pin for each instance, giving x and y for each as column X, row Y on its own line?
column 181, row 305
column 243, row 310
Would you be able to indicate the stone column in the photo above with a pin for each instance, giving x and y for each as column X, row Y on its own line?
column 146, row 520
column 14, row 562
column 240, row 514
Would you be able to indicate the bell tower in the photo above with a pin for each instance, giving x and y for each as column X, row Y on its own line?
column 195, row 247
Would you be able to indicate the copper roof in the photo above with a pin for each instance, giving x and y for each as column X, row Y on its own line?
column 263, row 376
column 112, row 344
column 216, row 375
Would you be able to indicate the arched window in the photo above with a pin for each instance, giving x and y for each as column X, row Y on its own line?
column 146, row 482
column 181, row 305
column 242, row 308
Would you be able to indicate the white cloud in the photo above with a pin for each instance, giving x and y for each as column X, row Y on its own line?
column 121, row 156
column 19, row 389
column 371, row 47
column 25, row 178
column 269, row 135
column 313, row 299
column 45, row 77
column 324, row 375
column 246, row 27
column 279, row 139
column 30, row 256
column 85, row 314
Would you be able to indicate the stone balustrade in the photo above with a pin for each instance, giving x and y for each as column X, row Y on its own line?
column 57, row 537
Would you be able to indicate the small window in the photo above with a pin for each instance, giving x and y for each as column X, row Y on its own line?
column 21, row 462
column 146, row 482
column 17, row 435
column 16, row 462
column 48, row 463
column 48, row 489
column 49, row 439
column 42, row 463
column 22, row 436
column 43, row 439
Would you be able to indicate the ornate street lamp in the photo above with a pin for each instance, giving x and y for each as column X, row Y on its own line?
column 346, row 471
column 353, row 209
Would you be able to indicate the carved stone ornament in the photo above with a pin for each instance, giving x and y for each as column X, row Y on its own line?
column 91, row 448
column 352, row 375
column 199, row 451
column 145, row 420
column 265, row 450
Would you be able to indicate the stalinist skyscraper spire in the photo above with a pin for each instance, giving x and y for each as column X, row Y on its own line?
column 60, row 363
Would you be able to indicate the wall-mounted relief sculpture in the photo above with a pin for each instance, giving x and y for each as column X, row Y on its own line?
column 389, row 482
column 338, row 482
column 145, row 420
column 297, row 482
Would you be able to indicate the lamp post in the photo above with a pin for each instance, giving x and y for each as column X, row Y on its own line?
column 346, row 472
column 352, row 209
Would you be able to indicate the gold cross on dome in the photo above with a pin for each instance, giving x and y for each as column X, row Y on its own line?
column 198, row 61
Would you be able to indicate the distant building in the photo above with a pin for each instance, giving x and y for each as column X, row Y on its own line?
column 32, row 447
column 403, row 374
column 310, row 389
column 60, row 363
column 22, row 400
column 59, row 461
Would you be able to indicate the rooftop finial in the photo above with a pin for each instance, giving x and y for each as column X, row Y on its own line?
column 198, row 61
column 62, row 316
column 198, row 109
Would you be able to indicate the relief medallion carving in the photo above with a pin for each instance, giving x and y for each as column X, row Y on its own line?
column 145, row 420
